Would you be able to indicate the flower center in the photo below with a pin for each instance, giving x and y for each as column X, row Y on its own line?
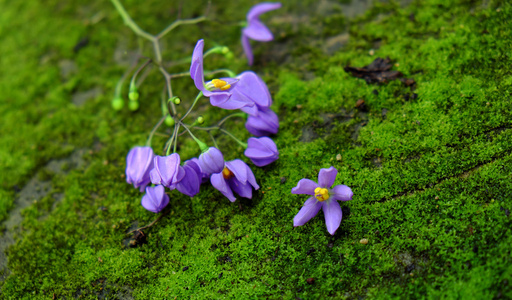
column 218, row 84
column 321, row 194
column 227, row 173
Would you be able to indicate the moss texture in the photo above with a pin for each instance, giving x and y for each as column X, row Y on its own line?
column 430, row 167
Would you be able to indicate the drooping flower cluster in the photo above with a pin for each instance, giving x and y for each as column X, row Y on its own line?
column 324, row 196
column 245, row 92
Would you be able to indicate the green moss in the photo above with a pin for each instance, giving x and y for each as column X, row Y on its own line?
column 430, row 174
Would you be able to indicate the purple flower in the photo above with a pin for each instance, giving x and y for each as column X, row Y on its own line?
column 323, row 197
column 236, row 176
column 155, row 199
column 167, row 171
column 191, row 182
column 139, row 162
column 204, row 177
column 256, row 30
column 262, row 151
column 222, row 92
column 211, row 161
column 253, row 88
column 264, row 123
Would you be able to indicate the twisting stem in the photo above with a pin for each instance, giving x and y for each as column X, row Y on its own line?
column 148, row 142
column 178, row 23
column 233, row 137
column 130, row 23
column 230, row 116
column 192, row 106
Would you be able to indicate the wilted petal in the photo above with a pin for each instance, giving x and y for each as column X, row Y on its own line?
column 308, row 211
column 305, row 186
column 341, row 192
column 244, row 190
column 326, row 177
column 221, row 185
column 332, row 212
column 265, row 123
column 239, row 169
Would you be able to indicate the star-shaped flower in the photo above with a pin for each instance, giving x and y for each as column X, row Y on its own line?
column 323, row 197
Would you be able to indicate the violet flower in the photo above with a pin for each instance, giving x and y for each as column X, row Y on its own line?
column 236, row 176
column 324, row 197
column 256, row 30
column 265, row 123
column 155, row 199
column 202, row 175
column 262, row 151
column 222, row 92
column 167, row 171
column 139, row 163
column 211, row 161
column 191, row 182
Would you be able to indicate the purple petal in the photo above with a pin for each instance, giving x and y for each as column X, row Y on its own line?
column 262, row 151
column 264, row 123
column 332, row 212
column 305, row 186
column 196, row 67
column 190, row 183
column 221, row 185
column 326, row 177
column 139, row 163
column 254, row 89
column 258, row 31
column 211, row 161
column 247, row 49
column 168, row 169
column 309, row 210
column 244, row 190
column 239, row 169
column 261, row 8
column 155, row 199
column 341, row 192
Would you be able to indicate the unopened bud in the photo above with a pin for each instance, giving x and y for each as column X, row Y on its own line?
column 169, row 121
column 177, row 101
column 224, row 50
column 229, row 55
column 200, row 120
column 133, row 105
column 117, row 103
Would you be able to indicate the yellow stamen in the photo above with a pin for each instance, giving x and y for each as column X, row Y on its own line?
column 221, row 84
column 227, row 173
column 321, row 194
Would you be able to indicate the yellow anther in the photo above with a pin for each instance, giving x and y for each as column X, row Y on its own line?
column 321, row 194
column 221, row 84
column 227, row 173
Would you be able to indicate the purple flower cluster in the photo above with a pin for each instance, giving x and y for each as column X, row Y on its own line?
column 246, row 92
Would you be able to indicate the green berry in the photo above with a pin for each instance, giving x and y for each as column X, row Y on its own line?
column 133, row 105
column 200, row 120
column 117, row 103
column 133, row 95
column 169, row 121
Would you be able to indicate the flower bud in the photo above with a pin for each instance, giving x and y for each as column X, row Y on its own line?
column 169, row 121
column 211, row 161
column 262, row 151
column 117, row 103
column 133, row 94
column 133, row 105
column 177, row 101
column 200, row 120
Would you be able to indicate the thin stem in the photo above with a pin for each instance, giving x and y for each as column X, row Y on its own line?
column 152, row 223
column 233, row 137
column 176, row 138
column 129, row 22
column 213, row 140
column 242, row 115
column 134, row 77
column 201, row 145
column 170, row 141
column 178, row 23
column 192, row 106
column 148, row 142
